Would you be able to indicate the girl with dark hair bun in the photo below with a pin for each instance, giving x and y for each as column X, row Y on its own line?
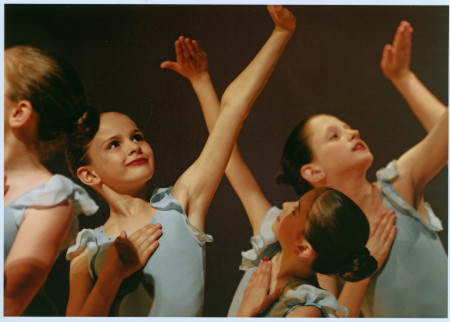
column 44, row 101
column 325, row 151
column 325, row 232
column 117, row 163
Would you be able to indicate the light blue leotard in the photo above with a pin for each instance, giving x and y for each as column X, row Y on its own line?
column 296, row 293
column 53, row 192
column 172, row 282
column 413, row 281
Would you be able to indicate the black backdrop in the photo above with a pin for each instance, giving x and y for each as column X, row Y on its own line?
column 330, row 65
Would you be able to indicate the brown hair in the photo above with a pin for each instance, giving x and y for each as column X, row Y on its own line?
column 54, row 90
column 338, row 231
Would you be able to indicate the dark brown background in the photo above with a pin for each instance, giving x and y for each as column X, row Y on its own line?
column 331, row 65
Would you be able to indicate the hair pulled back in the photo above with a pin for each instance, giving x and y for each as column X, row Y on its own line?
column 80, row 139
column 53, row 88
column 338, row 231
column 296, row 153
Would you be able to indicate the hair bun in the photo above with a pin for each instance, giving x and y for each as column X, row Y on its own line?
column 361, row 265
column 84, row 124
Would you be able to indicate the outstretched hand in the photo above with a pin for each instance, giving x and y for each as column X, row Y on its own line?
column 256, row 295
column 128, row 255
column 192, row 61
column 282, row 17
column 395, row 62
column 381, row 238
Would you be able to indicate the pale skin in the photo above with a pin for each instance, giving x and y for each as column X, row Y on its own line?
column 192, row 64
column 194, row 190
column 416, row 167
column 395, row 64
column 31, row 256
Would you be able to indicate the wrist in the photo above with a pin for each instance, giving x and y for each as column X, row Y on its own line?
column 284, row 31
column 200, row 78
column 403, row 78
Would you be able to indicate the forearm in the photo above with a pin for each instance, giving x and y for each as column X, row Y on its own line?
column 23, row 281
column 99, row 301
column 237, row 171
column 352, row 296
column 244, row 90
column 206, row 94
column 423, row 103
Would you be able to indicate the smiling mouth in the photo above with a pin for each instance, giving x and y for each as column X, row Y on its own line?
column 139, row 161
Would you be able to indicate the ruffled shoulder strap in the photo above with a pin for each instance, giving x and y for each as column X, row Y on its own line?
column 299, row 294
column 86, row 239
column 164, row 201
column 265, row 244
column 53, row 192
column 384, row 178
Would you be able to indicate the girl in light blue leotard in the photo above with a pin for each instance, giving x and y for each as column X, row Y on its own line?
column 44, row 100
column 117, row 163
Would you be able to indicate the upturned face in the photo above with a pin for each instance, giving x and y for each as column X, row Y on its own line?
column 336, row 147
column 289, row 227
column 119, row 155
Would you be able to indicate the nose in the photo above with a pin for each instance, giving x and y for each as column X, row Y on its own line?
column 287, row 206
column 354, row 134
column 135, row 148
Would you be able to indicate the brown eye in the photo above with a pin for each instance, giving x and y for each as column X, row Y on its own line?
column 138, row 138
column 113, row 144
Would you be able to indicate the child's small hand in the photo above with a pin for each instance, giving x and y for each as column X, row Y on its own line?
column 191, row 62
column 396, row 58
column 282, row 17
column 129, row 254
column 256, row 295
column 382, row 237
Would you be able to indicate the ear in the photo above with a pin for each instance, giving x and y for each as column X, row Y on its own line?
column 21, row 113
column 312, row 173
column 88, row 176
column 304, row 250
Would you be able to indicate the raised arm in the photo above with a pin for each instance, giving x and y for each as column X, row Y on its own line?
column 197, row 185
column 192, row 63
column 395, row 64
column 125, row 256
column 33, row 253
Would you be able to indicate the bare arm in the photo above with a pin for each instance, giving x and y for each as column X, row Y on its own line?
column 33, row 253
column 192, row 63
column 125, row 256
column 197, row 185
column 395, row 64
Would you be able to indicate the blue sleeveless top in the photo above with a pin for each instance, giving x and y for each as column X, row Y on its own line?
column 413, row 281
column 172, row 282
column 295, row 293
column 50, row 194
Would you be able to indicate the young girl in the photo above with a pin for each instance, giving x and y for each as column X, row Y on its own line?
column 117, row 163
column 292, row 269
column 325, row 151
column 44, row 101
column 324, row 232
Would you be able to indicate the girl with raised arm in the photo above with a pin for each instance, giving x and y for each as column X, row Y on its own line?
column 117, row 163
column 293, row 270
column 325, row 151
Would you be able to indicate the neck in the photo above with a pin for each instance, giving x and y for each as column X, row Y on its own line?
column 23, row 169
column 362, row 192
column 285, row 270
column 127, row 211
